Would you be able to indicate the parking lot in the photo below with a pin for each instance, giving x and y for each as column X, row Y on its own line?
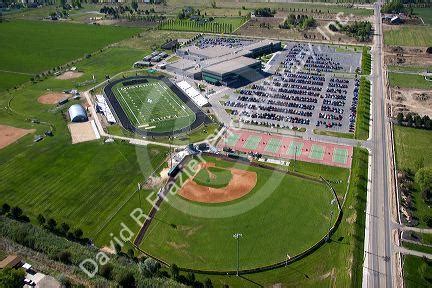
column 314, row 87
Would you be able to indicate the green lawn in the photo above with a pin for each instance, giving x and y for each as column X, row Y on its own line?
column 409, row 36
column 409, row 81
column 425, row 14
column 218, row 25
column 366, row 62
column 334, row 134
column 413, row 151
column 50, row 44
column 10, row 80
column 213, row 177
column 363, row 110
column 153, row 106
column 403, row 68
column 417, row 272
column 417, row 247
column 206, row 242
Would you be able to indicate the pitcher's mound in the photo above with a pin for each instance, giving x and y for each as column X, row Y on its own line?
column 69, row 75
column 51, row 98
column 241, row 183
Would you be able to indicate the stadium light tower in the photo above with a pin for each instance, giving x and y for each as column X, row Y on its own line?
column 237, row 236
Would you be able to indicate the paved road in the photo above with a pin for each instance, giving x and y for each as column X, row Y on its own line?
column 379, row 246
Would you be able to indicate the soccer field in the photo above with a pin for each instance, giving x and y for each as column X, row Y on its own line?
column 153, row 106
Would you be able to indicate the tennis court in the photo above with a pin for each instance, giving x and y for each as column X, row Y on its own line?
column 286, row 147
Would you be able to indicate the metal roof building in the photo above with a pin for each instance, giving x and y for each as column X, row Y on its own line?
column 77, row 113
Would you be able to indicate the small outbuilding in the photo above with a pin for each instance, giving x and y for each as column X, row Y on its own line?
column 77, row 113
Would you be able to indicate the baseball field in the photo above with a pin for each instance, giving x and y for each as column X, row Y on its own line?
column 198, row 233
column 153, row 106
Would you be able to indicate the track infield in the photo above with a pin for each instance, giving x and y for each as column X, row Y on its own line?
column 284, row 147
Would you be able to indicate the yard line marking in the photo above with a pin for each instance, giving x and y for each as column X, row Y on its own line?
column 128, row 106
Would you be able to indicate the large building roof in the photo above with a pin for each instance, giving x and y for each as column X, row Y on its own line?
column 231, row 66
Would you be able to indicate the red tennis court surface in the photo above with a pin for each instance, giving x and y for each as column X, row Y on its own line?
column 283, row 147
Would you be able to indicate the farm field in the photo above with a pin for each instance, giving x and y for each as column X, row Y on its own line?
column 409, row 36
column 218, row 25
column 9, row 80
column 153, row 106
column 416, row 271
column 206, row 243
column 409, row 81
column 49, row 46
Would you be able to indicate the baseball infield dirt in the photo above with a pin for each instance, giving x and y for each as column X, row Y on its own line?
column 69, row 75
column 51, row 98
column 242, row 183
column 9, row 134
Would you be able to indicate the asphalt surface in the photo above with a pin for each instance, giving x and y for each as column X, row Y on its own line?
column 379, row 249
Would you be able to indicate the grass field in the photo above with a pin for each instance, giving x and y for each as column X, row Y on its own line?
column 409, row 36
column 153, row 106
column 218, row 25
column 417, row 247
column 207, row 243
column 47, row 47
column 412, row 151
column 417, row 272
column 425, row 14
column 213, row 177
column 409, row 81
column 333, row 133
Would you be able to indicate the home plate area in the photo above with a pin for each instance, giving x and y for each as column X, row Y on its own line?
column 288, row 147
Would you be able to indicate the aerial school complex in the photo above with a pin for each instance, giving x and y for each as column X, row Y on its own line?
column 235, row 186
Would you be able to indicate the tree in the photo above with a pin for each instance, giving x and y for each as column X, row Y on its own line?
column 78, row 233
column 106, row 271
column 64, row 228
column 117, row 248
column 5, row 209
column 175, row 271
column 126, row 280
column 11, row 278
column 151, row 265
column 423, row 178
column 41, row 219
column 134, row 5
column 400, row 118
column 16, row 213
column 208, row 283
column 52, row 224
column 65, row 257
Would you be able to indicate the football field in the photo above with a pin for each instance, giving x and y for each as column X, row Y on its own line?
column 153, row 106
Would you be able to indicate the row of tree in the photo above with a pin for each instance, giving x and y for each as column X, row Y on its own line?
column 213, row 27
column 414, row 120
column 264, row 12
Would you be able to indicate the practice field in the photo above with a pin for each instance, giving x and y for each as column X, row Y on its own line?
column 153, row 106
column 409, row 36
column 295, row 212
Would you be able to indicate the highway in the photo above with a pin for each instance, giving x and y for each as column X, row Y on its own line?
column 378, row 242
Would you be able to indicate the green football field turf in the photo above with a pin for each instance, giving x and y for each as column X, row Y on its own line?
column 270, row 209
column 153, row 106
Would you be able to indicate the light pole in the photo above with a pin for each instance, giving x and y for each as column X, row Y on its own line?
column 237, row 237
column 287, row 258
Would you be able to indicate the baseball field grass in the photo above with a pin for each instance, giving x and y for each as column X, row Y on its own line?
column 214, row 177
column 409, row 36
column 417, row 271
column 409, row 81
column 205, row 241
column 153, row 106
column 50, row 45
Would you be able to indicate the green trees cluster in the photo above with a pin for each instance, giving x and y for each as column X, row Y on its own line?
column 395, row 6
column 366, row 63
column 298, row 21
column 11, row 278
column 414, row 120
column 15, row 213
column 361, row 31
column 189, row 25
column 264, row 12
